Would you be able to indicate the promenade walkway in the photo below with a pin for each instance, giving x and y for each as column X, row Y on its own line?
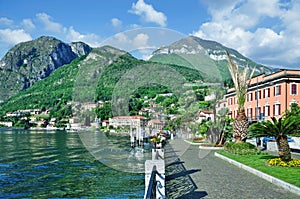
column 194, row 173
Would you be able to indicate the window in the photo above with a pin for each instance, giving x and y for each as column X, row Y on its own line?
column 294, row 89
column 276, row 109
column 266, row 93
column 249, row 112
column 249, row 97
column 229, row 101
column 277, row 90
column 235, row 113
column 267, row 110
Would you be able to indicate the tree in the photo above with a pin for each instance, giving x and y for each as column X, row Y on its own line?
column 280, row 129
column 294, row 111
column 223, row 123
column 104, row 112
column 240, row 124
column 203, row 127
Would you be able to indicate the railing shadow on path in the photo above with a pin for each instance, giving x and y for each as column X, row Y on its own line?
column 179, row 183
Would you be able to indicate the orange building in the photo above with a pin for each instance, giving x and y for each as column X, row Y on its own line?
column 268, row 95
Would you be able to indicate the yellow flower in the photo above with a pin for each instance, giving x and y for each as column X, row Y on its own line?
column 279, row 162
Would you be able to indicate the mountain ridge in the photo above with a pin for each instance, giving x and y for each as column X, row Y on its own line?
column 28, row 62
column 31, row 61
column 207, row 56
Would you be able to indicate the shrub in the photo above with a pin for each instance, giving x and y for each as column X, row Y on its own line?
column 243, row 148
column 279, row 162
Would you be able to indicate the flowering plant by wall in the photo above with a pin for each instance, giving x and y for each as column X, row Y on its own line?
column 158, row 138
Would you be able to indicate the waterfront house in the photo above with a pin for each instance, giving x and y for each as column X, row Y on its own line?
column 268, row 95
column 123, row 121
column 7, row 124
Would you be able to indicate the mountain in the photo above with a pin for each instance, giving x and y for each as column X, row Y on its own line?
column 89, row 78
column 29, row 62
column 49, row 72
column 206, row 56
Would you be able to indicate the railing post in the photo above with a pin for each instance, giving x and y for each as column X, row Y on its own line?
column 158, row 154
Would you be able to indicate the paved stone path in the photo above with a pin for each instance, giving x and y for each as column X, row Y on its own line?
column 194, row 173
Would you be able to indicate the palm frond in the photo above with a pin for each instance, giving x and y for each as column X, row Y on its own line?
column 287, row 126
column 240, row 80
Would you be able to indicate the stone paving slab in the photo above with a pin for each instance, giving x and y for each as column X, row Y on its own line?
column 195, row 173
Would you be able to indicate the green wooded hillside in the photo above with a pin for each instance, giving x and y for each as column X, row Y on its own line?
column 56, row 90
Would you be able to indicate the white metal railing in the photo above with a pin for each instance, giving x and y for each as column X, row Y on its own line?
column 155, row 176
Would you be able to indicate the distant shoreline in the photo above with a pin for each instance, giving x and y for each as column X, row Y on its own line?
column 30, row 129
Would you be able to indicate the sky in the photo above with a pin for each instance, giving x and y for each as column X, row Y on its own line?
column 266, row 31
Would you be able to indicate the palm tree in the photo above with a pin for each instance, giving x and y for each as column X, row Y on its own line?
column 240, row 124
column 280, row 129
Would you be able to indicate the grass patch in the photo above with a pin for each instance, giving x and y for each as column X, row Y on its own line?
column 259, row 162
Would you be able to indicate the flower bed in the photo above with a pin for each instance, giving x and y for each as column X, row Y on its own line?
column 279, row 162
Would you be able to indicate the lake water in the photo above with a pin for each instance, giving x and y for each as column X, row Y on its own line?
column 56, row 164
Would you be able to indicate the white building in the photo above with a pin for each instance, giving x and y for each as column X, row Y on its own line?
column 122, row 121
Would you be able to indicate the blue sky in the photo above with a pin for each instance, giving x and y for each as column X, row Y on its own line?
column 265, row 31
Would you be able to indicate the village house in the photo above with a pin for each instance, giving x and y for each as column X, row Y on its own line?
column 105, row 123
column 123, row 121
column 147, row 110
column 207, row 115
column 89, row 106
column 268, row 95
column 210, row 97
column 156, row 124
column 7, row 124
column 20, row 113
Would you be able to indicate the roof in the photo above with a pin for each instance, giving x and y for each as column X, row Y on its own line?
column 263, row 79
column 130, row 117
column 207, row 111
column 156, row 121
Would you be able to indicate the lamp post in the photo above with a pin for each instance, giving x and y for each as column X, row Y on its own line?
column 257, row 110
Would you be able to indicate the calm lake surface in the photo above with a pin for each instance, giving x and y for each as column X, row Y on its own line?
column 55, row 164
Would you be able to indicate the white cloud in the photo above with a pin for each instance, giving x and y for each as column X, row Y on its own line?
column 129, row 42
column 27, row 24
column 121, row 38
column 12, row 37
column 264, row 31
column 49, row 24
column 135, row 42
column 117, row 23
column 5, row 21
column 90, row 39
column 141, row 40
column 134, row 26
column 148, row 13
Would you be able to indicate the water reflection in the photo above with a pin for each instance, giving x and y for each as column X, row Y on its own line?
column 57, row 165
column 115, row 151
